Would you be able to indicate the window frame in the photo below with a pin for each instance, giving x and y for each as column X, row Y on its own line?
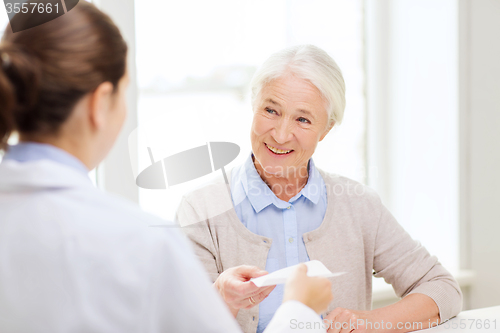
column 117, row 167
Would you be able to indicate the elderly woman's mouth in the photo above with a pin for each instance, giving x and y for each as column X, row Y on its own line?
column 278, row 151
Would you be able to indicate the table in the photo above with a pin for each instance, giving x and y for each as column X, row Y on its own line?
column 486, row 320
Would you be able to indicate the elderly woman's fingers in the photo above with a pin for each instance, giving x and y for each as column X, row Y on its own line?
column 259, row 296
column 340, row 324
column 348, row 322
column 331, row 319
column 333, row 314
column 248, row 272
column 235, row 288
column 342, row 321
column 264, row 291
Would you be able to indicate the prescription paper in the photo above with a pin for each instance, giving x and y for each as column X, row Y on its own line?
column 315, row 268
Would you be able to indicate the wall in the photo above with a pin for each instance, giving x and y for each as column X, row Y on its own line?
column 479, row 72
column 434, row 129
column 115, row 173
column 412, row 61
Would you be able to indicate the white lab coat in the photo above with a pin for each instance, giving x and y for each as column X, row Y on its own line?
column 74, row 259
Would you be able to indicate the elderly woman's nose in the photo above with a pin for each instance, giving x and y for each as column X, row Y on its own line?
column 283, row 132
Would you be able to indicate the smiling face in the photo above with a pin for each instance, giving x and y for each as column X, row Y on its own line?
column 290, row 118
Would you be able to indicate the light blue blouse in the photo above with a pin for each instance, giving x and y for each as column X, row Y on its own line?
column 263, row 213
column 34, row 151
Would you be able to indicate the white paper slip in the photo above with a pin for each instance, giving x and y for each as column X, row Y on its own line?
column 315, row 268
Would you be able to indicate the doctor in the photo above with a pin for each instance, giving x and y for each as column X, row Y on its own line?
column 72, row 258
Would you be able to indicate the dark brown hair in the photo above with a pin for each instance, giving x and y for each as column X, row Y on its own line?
column 46, row 70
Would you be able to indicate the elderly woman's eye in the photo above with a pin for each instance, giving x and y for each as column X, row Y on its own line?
column 271, row 111
column 304, row 120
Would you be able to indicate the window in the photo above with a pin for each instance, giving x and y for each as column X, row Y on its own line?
column 196, row 58
column 413, row 118
column 4, row 19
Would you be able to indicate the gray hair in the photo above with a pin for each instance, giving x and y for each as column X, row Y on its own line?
column 310, row 63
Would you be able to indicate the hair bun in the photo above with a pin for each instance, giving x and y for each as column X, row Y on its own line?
column 22, row 70
column 19, row 87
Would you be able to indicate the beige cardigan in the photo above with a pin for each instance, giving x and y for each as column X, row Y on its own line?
column 358, row 235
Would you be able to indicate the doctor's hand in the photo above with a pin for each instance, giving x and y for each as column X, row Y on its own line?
column 236, row 289
column 315, row 292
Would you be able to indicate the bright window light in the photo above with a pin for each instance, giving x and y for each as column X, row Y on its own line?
column 196, row 58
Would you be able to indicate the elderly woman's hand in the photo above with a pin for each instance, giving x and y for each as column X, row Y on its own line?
column 315, row 292
column 342, row 320
column 236, row 289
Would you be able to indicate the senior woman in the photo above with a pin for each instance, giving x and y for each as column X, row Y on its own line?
column 284, row 210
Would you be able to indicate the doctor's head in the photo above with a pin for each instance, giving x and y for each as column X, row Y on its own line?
column 64, row 82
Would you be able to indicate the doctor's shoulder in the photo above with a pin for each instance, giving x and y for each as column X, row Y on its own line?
column 125, row 236
column 124, row 216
